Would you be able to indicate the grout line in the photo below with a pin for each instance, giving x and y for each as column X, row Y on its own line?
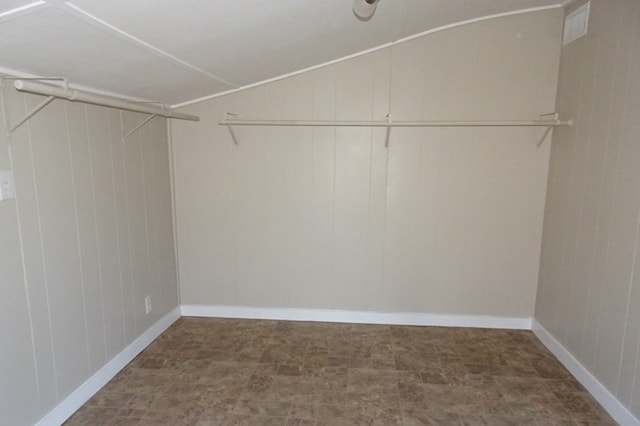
column 154, row 219
column 78, row 242
column 637, row 233
column 616, row 152
column 126, row 204
column 333, row 191
column 234, row 194
column 635, row 374
column 582, row 355
column 25, row 279
column 148, row 275
column 42, row 252
column 635, row 383
column 95, row 218
column 581, row 201
column 117, row 215
column 367, row 261
column 314, row 141
column 174, row 221
column 628, row 309
column 387, row 159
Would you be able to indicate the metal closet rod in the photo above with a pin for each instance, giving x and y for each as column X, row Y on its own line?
column 364, row 123
column 97, row 99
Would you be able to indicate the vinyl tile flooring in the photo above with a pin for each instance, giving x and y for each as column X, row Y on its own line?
column 204, row 371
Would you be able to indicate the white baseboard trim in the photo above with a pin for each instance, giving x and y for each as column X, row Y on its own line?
column 82, row 394
column 610, row 403
column 357, row 317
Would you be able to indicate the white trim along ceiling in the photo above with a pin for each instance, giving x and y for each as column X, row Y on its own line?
column 183, row 52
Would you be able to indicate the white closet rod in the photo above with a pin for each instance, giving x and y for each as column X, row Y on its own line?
column 312, row 123
column 97, row 99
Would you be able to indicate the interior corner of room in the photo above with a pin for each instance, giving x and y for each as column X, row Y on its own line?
column 429, row 163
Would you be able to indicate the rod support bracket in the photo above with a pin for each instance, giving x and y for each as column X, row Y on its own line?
column 47, row 101
column 139, row 126
column 30, row 114
column 556, row 117
column 388, row 136
column 230, row 127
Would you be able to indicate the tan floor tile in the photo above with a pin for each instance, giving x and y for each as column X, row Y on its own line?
column 262, row 408
column 205, row 371
column 124, row 421
column 300, row 422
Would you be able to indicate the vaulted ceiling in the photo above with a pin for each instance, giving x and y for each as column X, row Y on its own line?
column 176, row 51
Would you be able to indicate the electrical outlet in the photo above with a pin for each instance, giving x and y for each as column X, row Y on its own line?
column 7, row 190
column 147, row 304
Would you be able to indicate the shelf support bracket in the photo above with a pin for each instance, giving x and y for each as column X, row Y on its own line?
column 230, row 127
column 135, row 129
column 33, row 112
column 556, row 117
column 386, row 140
column 233, row 135
column 40, row 106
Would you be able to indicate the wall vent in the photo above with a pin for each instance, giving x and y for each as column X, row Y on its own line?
column 575, row 24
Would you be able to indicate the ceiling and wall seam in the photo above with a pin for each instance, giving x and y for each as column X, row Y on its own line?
column 182, row 68
column 102, row 25
column 365, row 52
column 22, row 10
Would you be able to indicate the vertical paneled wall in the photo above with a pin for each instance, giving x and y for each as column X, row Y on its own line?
column 447, row 220
column 88, row 236
column 589, row 292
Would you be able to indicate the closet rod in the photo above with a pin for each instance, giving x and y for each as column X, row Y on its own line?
column 97, row 99
column 312, row 123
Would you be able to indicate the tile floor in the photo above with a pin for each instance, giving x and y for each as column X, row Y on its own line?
column 246, row 372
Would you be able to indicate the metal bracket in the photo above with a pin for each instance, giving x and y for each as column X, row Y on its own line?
column 135, row 129
column 556, row 117
column 40, row 106
column 386, row 141
column 33, row 112
column 230, row 128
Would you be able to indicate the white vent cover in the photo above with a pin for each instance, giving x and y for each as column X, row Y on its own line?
column 575, row 24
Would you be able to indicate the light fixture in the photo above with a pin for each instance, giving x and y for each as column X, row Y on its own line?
column 364, row 9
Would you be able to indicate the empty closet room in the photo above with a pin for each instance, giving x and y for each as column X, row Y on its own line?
column 380, row 212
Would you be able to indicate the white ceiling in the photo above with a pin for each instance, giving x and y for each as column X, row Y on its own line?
column 176, row 51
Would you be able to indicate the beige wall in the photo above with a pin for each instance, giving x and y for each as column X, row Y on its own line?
column 445, row 221
column 87, row 238
column 589, row 291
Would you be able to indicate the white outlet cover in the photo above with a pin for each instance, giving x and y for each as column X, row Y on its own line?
column 147, row 304
column 7, row 189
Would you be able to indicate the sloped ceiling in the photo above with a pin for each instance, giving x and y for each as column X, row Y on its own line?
column 177, row 51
